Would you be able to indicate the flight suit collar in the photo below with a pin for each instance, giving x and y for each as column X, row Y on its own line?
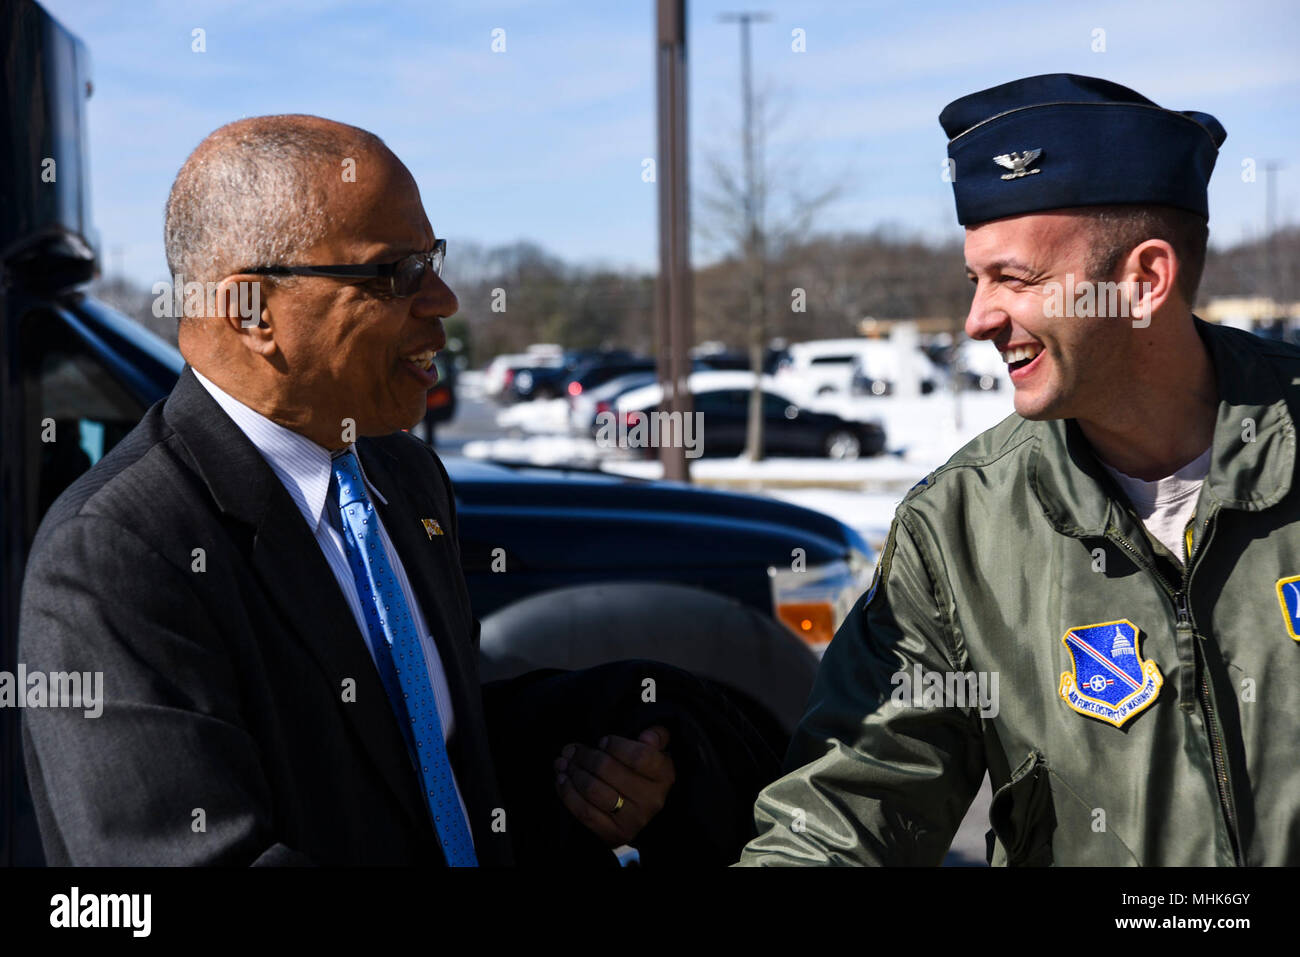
column 1251, row 463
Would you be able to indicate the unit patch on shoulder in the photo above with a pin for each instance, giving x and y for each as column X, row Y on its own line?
column 1110, row 680
column 1288, row 596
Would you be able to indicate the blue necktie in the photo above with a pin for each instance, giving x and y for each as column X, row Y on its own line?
column 399, row 656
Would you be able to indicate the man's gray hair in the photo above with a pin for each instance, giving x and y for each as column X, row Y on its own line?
column 250, row 194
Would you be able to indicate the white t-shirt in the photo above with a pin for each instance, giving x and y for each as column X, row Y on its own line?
column 1168, row 504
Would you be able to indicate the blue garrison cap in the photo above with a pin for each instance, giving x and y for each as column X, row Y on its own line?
column 1059, row 140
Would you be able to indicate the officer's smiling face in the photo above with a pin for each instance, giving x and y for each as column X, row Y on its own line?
column 1061, row 367
column 348, row 350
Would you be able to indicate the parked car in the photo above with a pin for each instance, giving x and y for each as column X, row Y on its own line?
column 529, row 382
column 818, row 368
column 789, row 428
column 721, row 359
column 830, row 366
column 549, row 381
column 499, row 376
column 585, row 406
column 440, row 403
column 878, row 370
column 596, row 372
column 979, row 366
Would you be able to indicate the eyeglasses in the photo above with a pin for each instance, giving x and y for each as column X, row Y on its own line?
column 404, row 276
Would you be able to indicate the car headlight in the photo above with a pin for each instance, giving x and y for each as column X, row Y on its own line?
column 813, row 603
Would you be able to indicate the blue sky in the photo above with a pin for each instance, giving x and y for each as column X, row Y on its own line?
column 545, row 141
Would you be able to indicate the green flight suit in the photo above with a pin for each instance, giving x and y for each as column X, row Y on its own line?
column 1018, row 539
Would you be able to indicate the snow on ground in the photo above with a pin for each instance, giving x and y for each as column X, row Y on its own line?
column 469, row 384
column 541, row 416
column 538, row 450
column 922, row 433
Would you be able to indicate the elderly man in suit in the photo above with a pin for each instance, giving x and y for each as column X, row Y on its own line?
column 266, row 570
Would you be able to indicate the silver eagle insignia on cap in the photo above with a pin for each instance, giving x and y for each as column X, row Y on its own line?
column 1016, row 162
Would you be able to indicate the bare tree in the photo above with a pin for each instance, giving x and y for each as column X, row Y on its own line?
column 760, row 205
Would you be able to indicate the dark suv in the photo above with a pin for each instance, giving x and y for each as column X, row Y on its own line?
column 565, row 569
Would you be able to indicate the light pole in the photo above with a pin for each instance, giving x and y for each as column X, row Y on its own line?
column 673, row 306
column 754, row 252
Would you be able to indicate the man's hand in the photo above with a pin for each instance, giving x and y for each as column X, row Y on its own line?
column 591, row 782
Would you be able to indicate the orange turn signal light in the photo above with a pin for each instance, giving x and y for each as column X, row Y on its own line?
column 813, row 622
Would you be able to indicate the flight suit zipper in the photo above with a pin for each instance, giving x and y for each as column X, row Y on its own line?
column 1222, row 783
column 1182, row 609
column 1220, row 764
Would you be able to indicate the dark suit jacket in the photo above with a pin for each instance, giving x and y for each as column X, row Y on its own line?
column 224, row 689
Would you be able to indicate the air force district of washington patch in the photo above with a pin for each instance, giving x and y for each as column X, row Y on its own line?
column 1110, row 680
column 1288, row 596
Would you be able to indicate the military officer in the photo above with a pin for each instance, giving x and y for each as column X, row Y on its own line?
column 1119, row 560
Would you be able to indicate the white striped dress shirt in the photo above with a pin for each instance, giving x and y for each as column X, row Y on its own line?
column 305, row 470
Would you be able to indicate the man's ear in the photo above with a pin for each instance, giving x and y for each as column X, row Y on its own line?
column 244, row 304
column 1150, row 271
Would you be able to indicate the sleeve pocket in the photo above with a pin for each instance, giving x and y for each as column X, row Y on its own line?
column 1023, row 817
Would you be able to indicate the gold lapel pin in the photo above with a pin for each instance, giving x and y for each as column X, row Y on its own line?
column 431, row 527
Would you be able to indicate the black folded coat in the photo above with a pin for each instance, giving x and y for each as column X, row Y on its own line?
column 720, row 759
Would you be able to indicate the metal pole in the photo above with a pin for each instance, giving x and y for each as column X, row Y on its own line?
column 1270, row 228
column 747, row 107
column 755, row 256
column 673, row 290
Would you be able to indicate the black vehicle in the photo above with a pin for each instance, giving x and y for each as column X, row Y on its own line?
column 734, row 361
column 586, row 370
column 440, row 403
column 596, row 372
column 565, row 569
column 584, row 408
column 788, row 429
column 534, row 382
column 551, row 381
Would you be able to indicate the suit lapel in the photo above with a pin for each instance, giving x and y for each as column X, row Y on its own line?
column 298, row 579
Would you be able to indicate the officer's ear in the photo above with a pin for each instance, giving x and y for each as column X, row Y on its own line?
column 245, row 306
column 1149, row 273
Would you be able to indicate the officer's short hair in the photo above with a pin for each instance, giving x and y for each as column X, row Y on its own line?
column 1117, row 229
column 249, row 195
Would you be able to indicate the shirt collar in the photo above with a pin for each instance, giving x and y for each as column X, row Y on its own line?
column 303, row 466
column 1252, row 458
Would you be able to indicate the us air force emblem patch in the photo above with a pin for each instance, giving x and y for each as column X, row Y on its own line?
column 1110, row 680
column 1288, row 596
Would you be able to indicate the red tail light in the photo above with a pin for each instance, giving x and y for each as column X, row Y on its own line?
column 510, row 377
column 575, row 388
